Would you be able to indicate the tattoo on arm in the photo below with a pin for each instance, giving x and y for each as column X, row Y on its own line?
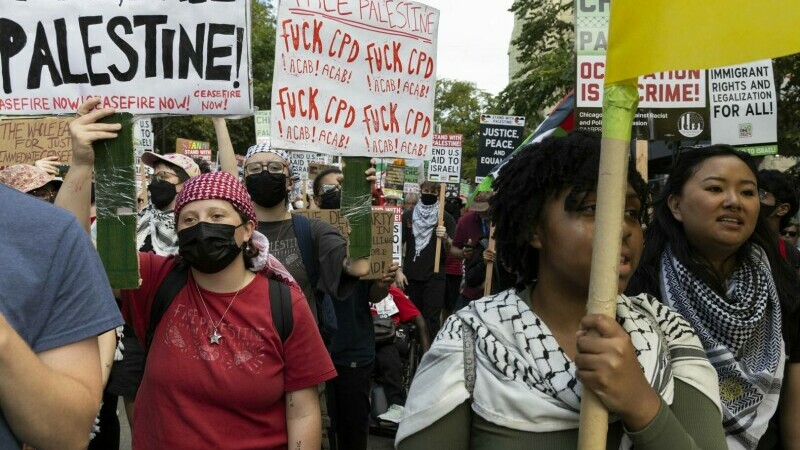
column 299, row 445
column 291, row 403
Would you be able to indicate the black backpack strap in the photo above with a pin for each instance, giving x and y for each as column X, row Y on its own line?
column 305, row 242
column 166, row 293
column 280, row 301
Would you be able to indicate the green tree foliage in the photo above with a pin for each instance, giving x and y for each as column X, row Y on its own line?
column 242, row 131
column 547, row 55
column 458, row 108
column 788, row 84
column 547, row 73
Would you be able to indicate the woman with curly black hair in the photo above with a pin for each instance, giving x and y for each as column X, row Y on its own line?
column 711, row 256
column 508, row 371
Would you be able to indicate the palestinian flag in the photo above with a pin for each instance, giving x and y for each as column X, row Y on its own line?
column 559, row 122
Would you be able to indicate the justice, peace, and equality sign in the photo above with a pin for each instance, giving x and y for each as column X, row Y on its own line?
column 152, row 57
column 355, row 77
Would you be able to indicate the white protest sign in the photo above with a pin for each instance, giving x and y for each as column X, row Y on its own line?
column 142, row 137
column 142, row 57
column 355, row 77
column 743, row 104
column 397, row 246
column 672, row 105
column 673, row 89
column 445, row 165
column 262, row 122
column 300, row 161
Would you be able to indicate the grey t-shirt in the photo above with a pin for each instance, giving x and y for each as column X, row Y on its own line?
column 54, row 291
column 330, row 250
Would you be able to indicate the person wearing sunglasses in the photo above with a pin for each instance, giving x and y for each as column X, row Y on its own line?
column 789, row 234
column 779, row 204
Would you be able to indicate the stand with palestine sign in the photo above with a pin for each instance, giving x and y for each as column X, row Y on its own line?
column 499, row 136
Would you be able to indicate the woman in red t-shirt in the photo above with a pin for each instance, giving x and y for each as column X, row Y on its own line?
column 218, row 375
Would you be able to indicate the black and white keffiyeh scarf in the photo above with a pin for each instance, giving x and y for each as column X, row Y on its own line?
column 424, row 220
column 741, row 333
column 160, row 226
column 524, row 381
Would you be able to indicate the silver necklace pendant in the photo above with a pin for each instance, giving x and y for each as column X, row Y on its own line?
column 214, row 337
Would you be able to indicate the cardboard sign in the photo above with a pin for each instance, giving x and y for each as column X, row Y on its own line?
column 193, row 149
column 499, row 136
column 355, row 77
column 394, row 180
column 262, row 122
column 743, row 105
column 397, row 231
column 202, row 153
column 445, row 164
column 381, row 253
column 28, row 140
column 143, row 57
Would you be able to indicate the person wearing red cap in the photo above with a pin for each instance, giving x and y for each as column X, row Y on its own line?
column 216, row 360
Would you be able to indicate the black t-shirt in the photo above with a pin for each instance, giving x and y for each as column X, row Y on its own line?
column 329, row 248
column 353, row 343
column 421, row 269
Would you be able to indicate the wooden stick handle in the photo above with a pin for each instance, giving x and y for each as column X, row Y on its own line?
column 604, row 282
column 143, row 190
column 437, row 261
column 642, row 157
column 487, row 283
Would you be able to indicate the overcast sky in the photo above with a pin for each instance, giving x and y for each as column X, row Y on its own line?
column 473, row 41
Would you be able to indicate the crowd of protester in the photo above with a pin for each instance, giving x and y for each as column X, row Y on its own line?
column 253, row 328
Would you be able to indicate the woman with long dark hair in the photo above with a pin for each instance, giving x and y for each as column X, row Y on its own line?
column 711, row 256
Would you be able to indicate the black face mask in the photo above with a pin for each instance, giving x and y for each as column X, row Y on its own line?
column 428, row 199
column 453, row 208
column 208, row 247
column 161, row 193
column 331, row 200
column 267, row 189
